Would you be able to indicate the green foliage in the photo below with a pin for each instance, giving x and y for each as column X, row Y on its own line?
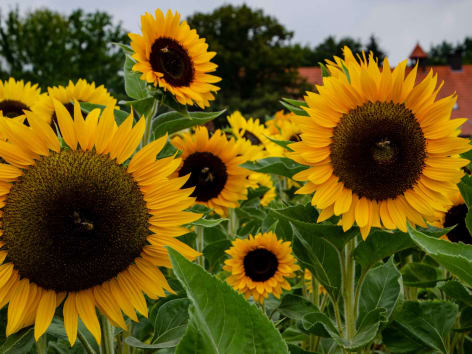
column 258, row 67
column 49, row 48
column 281, row 166
column 218, row 315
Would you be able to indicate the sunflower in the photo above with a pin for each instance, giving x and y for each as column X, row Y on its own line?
column 381, row 150
column 254, row 132
column 172, row 56
column 213, row 164
column 16, row 96
column 81, row 91
column 455, row 216
column 276, row 124
column 78, row 225
column 263, row 180
column 259, row 266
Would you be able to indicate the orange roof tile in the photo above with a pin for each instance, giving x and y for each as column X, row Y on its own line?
column 418, row 52
column 454, row 81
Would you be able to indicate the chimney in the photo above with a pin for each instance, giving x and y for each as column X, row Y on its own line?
column 455, row 60
column 419, row 56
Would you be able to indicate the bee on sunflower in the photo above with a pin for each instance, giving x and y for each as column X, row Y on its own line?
column 381, row 150
column 172, row 56
column 80, row 227
column 259, row 266
column 213, row 164
column 16, row 97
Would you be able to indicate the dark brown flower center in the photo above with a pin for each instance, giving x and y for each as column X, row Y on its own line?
column 378, row 150
column 170, row 58
column 74, row 220
column 254, row 140
column 207, row 174
column 456, row 216
column 12, row 108
column 260, row 264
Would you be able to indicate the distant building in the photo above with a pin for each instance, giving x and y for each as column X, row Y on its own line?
column 456, row 76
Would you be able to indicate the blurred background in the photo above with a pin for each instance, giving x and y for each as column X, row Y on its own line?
column 266, row 49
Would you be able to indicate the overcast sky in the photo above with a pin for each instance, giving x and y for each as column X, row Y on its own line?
column 398, row 24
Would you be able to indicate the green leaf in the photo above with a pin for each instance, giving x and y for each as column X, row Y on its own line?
column 465, row 320
column 455, row 257
column 320, row 257
column 420, row 275
column 346, row 72
column 304, row 219
column 296, row 103
column 458, row 292
column 426, row 324
column 295, row 109
column 380, row 289
column 120, row 116
column 215, row 252
column 142, row 106
column 171, row 322
column 19, row 342
column 282, row 166
column 324, row 71
column 222, row 315
column 208, row 222
column 465, row 186
column 379, row 245
column 136, row 343
column 171, row 122
column 134, row 86
column 283, row 143
column 295, row 349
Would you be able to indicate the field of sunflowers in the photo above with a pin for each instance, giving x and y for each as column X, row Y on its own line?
column 338, row 225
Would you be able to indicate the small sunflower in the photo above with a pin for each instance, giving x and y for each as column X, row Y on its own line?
column 455, row 216
column 254, row 132
column 171, row 55
column 78, row 225
column 260, row 265
column 261, row 179
column 213, row 164
column 381, row 150
column 276, row 124
column 16, row 96
column 81, row 91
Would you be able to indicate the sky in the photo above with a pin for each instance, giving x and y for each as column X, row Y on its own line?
column 397, row 24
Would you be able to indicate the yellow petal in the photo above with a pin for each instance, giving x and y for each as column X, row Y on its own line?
column 85, row 304
column 66, row 124
column 45, row 313
column 71, row 319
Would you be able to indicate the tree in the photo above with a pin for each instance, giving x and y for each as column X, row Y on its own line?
column 255, row 58
column 373, row 46
column 48, row 48
column 439, row 54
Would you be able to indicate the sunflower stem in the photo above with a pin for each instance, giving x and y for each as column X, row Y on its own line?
column 200, row 244
column 108, row 345
column 350, row 312
column 88, row 348
column 42, row 344
column 148, row 129
column 232, row 223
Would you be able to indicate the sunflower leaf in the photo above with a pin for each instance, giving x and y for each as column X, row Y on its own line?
column 226, row 322
column 284, row 143
column 421, row 325
column 296, row 103
column 171, row 122
column 142, row 106
column 19, row 342
column 171, row 322
column 420, row 275
column 465, row 186
column 324, row 71
column 458, row 292
column 134, row 86
column 120, row 115
column 294, row 109
column 455, row 257
column 136, row 343
column 208, row 222
column 281, row 166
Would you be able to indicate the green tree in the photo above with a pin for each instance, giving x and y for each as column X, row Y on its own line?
column 331, row 47
column 373, row 46
column 255, row 59
column 49, row 48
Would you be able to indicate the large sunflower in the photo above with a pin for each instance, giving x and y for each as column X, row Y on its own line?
column 381, row 150
column 259, row 266
column 81, row 91
column 172, row 56
column 76, row 224
column 213, row 164
column 455, row 216
column 16, row 96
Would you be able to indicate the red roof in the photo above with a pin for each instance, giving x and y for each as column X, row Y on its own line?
column 454, row 81
column 418, row 52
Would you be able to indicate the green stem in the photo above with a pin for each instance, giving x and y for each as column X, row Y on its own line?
column 358, row 290
column 200, row 243
column 338, row 317
column 108, row 345
column 42, row 344
column 232, row 223
column 87, row 346
column 350, row 312
column 148, row 129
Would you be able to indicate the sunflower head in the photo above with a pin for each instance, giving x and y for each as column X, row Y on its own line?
column 381, row 150
column 264, row 180
column 259, row 266
column 212, row 167
column 276, row 124
column 171, row 55
column 81, row 91
column 16, row 97
column 455, row 216
column 79, row 225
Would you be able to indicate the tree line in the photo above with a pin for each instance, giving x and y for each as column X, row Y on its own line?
column 256, row 57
